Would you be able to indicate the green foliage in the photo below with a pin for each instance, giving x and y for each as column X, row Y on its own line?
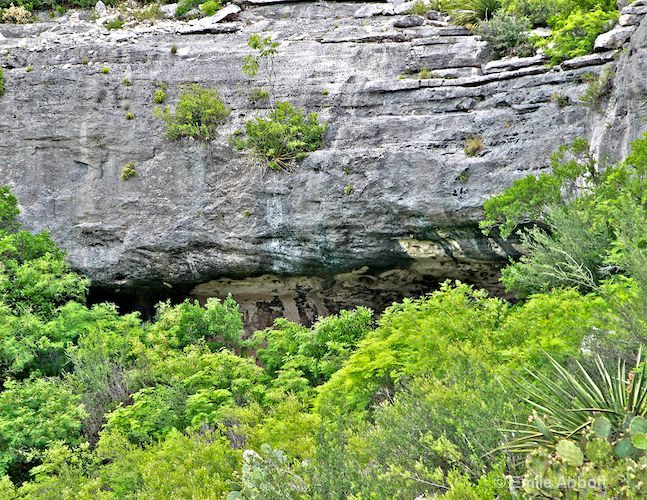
column 573, row 405
column 185, row 6
column 284, row 137
column 425, row 337
column 528, row 198
column 1, row 82
column 154, row 413
column 599, row 86
column 210, row 7
column 587, row 430
column 312, row 353
column 159, row 96
column 269, row 475
column 580, row 240
column 198, row 114
column 265, row 49
column 575, row 34
column 9, row 210
column 572, row 253
column 543, row 12
column 258, row 95
column 218, row 324
column 128, row 171
column 561, row 100
column 35, row 414
column 114, row 24
column 507, row 35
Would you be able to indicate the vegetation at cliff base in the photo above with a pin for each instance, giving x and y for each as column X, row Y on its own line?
column 456, row 394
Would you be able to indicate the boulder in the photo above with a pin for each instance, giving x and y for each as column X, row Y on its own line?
column 629, row 20
column 613, row 39
column 409, row 21
column 211, row 24
column 168, row 10
column 100, row 9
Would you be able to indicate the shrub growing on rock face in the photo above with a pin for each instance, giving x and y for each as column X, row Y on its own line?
column 1, row 82
column 473, row 145
column 197, row 114
column 210, row 7
column 285, row 136
column 507, row 35
column 575, row 35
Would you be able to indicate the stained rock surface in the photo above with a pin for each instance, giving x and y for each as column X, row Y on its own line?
column 392, row 201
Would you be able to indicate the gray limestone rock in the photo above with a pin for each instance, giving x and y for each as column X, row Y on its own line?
column 409, row 21
column 100, row 9
column 614, row 39
column 198, row 213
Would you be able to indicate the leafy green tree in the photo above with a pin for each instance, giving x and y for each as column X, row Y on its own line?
column 218, row 323
column 35, row 414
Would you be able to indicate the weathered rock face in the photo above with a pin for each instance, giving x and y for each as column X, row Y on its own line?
column 199, row 212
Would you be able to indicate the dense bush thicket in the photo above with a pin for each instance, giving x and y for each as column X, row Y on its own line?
column 506, row 24
column 450, row 394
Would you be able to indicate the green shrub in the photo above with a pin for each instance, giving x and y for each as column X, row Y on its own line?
column 114, row 24
column 151, row 12
column 542, row 12
column 285, row 136
column 159, row 96
column 560, row 99
column 575, row 35
column 257, row 95
column 506, row 35
column 185, row 6
column 210, row 7
column 105, row 70
column 1, row 82
column 198, row 114
column 599, row 86
column 34, row 414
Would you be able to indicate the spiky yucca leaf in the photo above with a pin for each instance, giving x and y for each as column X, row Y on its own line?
column 470, row 12
column 565, row 404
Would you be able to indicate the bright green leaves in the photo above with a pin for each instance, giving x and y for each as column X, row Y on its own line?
column 198, row 114
column 528, row 199
column 265, row 48
column 284, row 137
column 9, row 210
column 35, row 414
column 575, row 34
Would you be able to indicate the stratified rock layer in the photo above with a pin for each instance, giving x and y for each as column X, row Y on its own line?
column 392, row 193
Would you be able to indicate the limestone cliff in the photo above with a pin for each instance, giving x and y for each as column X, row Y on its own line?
column 201, row 216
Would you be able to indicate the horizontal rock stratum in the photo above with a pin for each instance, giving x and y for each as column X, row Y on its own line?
column 200, row 212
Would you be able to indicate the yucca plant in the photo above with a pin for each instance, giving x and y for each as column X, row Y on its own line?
column 581, row 407
column 471, row 12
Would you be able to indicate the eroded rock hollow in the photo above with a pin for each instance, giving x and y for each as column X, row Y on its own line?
column 389, row 207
